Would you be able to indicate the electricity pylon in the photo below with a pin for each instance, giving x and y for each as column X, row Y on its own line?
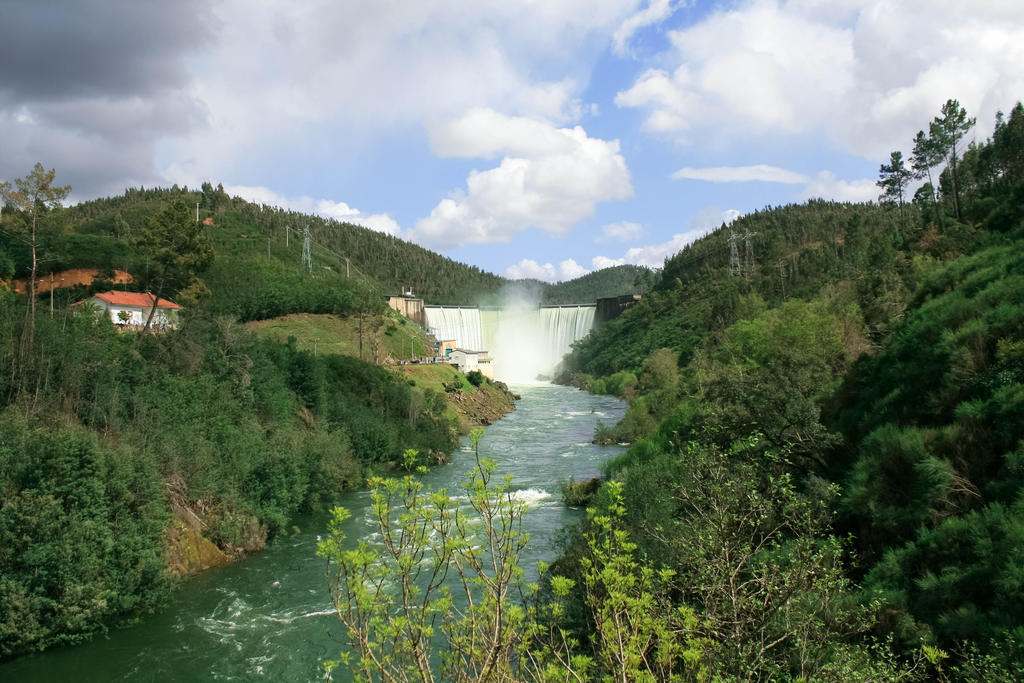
column 307, row 255
column 734, row 255
column 748, row 260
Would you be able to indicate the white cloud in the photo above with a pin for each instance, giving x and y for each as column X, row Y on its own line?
column 711, row 217
column 729, row 215
column 824, row 186
column 326, row 208
column 599, row 262
column 381, row 222
column 551, row 178
column 827, row 186
column 651, row 256
column 654, row 255
column 670, row 101
column 759, row 66
column 656, row 12
column 866, row 74
column 570, row 270
column 528, row 268
column 624, row 231
column 320, row 80
column 739, row 174
column 484, row 133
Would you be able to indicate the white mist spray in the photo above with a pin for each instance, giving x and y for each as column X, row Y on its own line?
column 531, row 341
column 526, row 341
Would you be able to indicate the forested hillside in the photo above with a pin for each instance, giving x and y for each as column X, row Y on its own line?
column 607, row 282
column 125, row 456
column 828, row 425
column 103, row 232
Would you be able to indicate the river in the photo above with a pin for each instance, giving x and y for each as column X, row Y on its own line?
column 269, row 617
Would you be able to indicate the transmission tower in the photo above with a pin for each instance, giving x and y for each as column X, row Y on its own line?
column 734, row 255
column 307, row 255
column 748, row 255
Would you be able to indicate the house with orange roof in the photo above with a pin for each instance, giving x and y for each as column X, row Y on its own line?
column 131, row 309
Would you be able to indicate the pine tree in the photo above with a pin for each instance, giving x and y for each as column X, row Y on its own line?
column 927, row 154
column 178, row 249
column 947, row 131
column 893, row 178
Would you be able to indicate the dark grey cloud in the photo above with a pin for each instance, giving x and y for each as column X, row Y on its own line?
column 90, row 87
column 89, row 163
column 53, row 50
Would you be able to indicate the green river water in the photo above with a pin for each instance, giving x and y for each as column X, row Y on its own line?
column 269, row 617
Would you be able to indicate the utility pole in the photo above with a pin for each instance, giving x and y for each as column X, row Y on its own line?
column 268, row 247
column 315, row 340
column 197, row 212
column 287, row 230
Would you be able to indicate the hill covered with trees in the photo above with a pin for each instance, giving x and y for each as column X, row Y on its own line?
column 827, row 425
column 607, row 282
column 123, row 455
column 103, row 234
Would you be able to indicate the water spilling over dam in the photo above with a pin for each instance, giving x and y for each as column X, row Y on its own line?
column 526, row 341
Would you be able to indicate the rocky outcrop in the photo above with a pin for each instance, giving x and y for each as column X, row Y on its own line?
column 483, row 405
column 187, row 543
column 188, row 551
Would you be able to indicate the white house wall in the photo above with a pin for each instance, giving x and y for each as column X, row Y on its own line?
column 135, row 313
column 138, row 314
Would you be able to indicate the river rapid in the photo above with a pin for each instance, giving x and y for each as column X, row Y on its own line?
column 269, row 616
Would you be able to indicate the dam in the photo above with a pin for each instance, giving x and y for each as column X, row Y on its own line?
column 527, row 342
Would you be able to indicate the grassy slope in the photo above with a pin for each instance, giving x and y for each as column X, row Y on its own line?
column 386, row 336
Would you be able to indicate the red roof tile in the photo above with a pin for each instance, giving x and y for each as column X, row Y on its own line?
column 145, row 300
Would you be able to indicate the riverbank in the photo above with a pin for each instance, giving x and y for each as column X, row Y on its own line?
column 270, row 616
column 471, row 406
column 188, row 548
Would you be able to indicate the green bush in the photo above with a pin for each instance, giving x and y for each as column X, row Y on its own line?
column 243, row 432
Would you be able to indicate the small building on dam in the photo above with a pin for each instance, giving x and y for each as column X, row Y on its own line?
column 468, row 361
column 409, row 306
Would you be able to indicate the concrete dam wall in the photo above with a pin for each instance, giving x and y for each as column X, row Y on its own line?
column 526, row 342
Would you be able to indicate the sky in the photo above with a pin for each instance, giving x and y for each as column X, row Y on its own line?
column 540, row 138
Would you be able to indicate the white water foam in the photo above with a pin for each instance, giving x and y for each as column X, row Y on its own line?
column 531, row 497
column 320, row 613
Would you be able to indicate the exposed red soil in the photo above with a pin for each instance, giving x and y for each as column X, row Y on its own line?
column 70, row 278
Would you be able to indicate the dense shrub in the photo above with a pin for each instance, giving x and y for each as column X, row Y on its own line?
column 202, row 421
